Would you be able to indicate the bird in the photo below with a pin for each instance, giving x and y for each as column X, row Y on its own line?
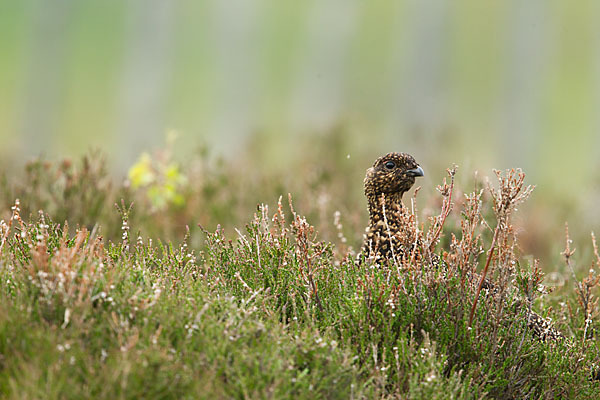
column 388, row 239
column 385, row 183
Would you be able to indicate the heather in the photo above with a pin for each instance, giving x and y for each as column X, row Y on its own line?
column 204, row 279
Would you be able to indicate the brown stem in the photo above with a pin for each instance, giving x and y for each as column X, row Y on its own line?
column 485, row 269
column 311, row 280
column 309, row 274
column 446, row 208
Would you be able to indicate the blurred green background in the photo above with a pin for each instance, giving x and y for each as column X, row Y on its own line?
column 499, row 84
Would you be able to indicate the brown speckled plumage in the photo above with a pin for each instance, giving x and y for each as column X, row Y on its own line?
column 386, row 181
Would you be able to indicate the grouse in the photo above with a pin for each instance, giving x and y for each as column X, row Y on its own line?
column 386, row 181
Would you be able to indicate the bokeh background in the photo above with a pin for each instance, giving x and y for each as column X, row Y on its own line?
column 494, row 84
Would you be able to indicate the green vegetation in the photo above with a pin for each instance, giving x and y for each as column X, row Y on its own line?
column 138, row 302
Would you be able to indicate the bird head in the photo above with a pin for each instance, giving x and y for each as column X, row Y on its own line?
column 394, row 173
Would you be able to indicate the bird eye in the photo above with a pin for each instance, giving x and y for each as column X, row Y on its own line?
column 390, row 165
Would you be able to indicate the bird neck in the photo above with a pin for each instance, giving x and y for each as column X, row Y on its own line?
column 384, row 206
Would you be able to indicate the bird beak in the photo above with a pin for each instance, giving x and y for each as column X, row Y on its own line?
column 416, row 172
